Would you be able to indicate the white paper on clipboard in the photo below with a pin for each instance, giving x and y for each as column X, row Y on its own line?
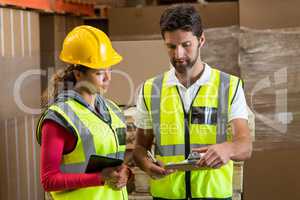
column 182, row 166
column 186, row 165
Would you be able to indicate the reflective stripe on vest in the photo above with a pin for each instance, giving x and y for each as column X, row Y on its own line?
column 222, row 116
column 88, row 147
column 116, row 110
column 177, row 132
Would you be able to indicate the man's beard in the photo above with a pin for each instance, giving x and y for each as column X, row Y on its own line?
column 187, row 66
column 182, row 68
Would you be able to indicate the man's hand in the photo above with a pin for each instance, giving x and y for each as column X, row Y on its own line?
column 115, row 177
column 239, row 149
column 144, row 140
column 156, row 170
column 215, row 156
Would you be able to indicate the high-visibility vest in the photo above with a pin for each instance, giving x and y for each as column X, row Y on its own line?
column 177, row 132
column 94, row 136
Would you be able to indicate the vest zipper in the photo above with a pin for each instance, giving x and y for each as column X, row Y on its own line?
column 187, row 143
column 116, row 140
column 187, row 152
column 187, row 149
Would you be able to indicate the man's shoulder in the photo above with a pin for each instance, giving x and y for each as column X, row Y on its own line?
column 220, row 71
column 158, row 76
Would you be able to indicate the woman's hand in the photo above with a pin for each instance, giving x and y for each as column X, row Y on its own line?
column 116, row 177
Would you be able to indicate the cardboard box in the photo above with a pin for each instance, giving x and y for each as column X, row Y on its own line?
column 20, row 87
column 54, row 29
column 20, row 62
column 236, row 196
column 19, row 155
column 141, row 180
column 238, row 177
column 269, row 14
column 140, row 196
column 141, row 60
column 273, row 174
column 124, row 22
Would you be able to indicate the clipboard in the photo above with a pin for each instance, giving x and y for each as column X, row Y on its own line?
column 188, row 164
column 98, row 163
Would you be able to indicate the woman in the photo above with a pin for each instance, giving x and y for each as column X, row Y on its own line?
column 79, row 122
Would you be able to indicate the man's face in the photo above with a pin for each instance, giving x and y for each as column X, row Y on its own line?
column 183, row 49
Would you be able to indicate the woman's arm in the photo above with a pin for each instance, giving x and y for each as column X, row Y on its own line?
column 55, row 141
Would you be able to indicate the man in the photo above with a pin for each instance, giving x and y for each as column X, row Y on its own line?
column 187, row 110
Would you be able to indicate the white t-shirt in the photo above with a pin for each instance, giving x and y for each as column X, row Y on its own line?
column 238, row 107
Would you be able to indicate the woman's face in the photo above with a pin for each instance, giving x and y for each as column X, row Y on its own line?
column 94, row 80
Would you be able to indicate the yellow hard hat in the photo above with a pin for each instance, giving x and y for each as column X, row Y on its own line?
column 90, row 47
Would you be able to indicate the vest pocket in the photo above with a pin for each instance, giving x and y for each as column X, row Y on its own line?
column 204, row 115
column 121, row 134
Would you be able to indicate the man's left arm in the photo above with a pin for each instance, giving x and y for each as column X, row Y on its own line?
column 241, row 145
column 240, row 148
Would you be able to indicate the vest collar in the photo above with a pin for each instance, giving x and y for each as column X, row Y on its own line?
column 172, row 80
column 100, row 103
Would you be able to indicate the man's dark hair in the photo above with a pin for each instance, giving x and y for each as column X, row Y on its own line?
column 181, row 16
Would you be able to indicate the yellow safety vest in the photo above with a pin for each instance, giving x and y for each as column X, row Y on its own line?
column 177, row 132
column 94, row 136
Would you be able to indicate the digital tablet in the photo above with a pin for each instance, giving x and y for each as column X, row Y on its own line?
column 98, row 163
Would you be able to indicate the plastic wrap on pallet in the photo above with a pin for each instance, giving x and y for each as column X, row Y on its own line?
column 270, row 66
column 221, row 49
